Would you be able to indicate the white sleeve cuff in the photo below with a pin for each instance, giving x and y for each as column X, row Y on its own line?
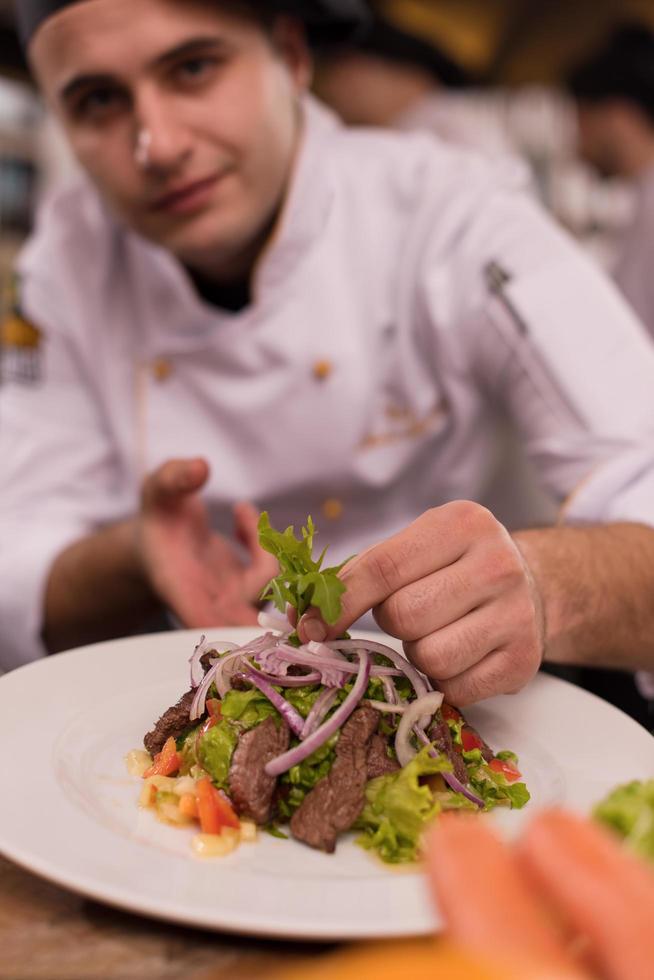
column 620, row 490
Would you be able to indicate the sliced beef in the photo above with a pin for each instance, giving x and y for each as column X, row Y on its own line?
column 379, row 761
column 336, row 801
column 251, row 789
column 173, row 722
column 440, row 735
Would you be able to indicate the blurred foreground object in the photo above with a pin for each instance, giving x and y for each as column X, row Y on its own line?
column 520, row 912
column 629, row 811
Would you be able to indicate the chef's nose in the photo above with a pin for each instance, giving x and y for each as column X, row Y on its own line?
column 162, row 141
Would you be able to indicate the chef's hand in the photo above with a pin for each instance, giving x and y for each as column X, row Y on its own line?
column 195, row 572
column 456, row 589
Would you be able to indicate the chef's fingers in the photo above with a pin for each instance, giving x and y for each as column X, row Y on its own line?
column 176, row 478
column 450, row 651
column 485, row 899
column 435, row 540
column 503, row 671
column 492, row 569
column 263, row 566
column 604, row 892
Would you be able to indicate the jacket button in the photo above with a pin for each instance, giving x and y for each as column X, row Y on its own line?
column 322, row 370
column 333, row 509
column 162, row 369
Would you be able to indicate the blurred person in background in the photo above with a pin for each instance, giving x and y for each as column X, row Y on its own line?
column 398, row 73
column 614, row 93
column 241, row 299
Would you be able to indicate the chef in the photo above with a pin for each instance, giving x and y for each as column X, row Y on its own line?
column 239, row 300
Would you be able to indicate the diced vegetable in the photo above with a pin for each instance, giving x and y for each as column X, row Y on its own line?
column 451, row 714
column 138, row 762
column 508, row 770
column 188, row 806
column 213, row 809
column 470, row 740
column 165, row 762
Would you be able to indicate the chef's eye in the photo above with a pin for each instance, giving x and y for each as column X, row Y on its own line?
column 99, row 104
column 195, row 71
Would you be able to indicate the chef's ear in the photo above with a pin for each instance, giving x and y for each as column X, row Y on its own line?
column 290, row 41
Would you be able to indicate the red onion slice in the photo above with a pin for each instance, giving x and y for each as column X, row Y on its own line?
column 302, row 751
column 335, row 670
column 293, row 718
column 419, row 683
column 390, row 690
column 384, row 706
column 269, row 620
column 293, row 680
column 197, row 672
column 452, row 781
column 222, row 671
column 321, row 707
column 426, row 706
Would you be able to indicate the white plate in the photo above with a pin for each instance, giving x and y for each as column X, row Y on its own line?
column 70, row 811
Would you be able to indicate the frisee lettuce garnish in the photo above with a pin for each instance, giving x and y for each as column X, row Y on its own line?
column 302, row 582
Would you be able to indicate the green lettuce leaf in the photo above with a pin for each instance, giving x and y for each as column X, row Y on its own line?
column 215, row 752
column 398, row 809
column 302, row 582
column 496, row 790
column 629, row 810
column 248, row 708
column 303, row 698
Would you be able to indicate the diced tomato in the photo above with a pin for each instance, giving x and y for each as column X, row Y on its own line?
column 166, row 762
column 449, row 713
column 188, row 806
column 213, row 809
column 470, row 740
column 506, row 768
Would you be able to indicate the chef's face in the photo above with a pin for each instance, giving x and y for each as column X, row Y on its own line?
column 184, row 113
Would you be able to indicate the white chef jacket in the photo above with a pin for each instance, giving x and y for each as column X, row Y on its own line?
column 634, row 268
column 364, row 373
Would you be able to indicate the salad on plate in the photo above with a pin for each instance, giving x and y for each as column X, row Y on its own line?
column 314, row 740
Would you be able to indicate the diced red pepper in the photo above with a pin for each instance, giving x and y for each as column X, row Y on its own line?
column 449, row 713
column 506, row 768
column 470, row 740
column 213, row 809
column 166, row 762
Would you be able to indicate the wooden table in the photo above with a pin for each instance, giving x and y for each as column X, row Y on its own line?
column 47, row 933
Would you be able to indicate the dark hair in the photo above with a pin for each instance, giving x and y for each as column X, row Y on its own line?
column 389, row 41
column 623, row 68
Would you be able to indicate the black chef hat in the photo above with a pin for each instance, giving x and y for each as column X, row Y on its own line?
column 623, row 68
column 328, row 22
